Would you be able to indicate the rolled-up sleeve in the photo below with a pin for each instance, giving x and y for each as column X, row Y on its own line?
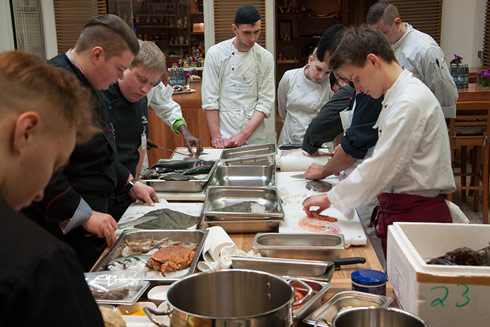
column 266, row 86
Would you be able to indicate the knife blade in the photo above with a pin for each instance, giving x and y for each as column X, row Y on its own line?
column 299, row 176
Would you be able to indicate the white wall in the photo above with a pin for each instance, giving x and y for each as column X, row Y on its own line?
column 462, row 30
column 49, row 28
column 6, row 31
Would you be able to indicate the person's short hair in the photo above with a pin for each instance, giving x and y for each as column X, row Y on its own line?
column 29, row 84
column 110, row 33
column 248, row 15
column 357, row 43
column 330, row 40
column 382, row 10
column 150, row 56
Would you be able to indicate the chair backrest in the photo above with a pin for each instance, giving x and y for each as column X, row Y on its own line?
column 472, row 118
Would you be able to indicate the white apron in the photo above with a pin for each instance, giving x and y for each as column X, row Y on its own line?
column 241, row 90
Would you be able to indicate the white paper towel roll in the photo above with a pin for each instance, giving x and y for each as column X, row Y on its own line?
column 296, row 161
column 216, row 240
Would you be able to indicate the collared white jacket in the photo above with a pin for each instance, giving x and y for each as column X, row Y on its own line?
column 299, row 100
column 412, row 154
column 238, row 84
column 421, row 55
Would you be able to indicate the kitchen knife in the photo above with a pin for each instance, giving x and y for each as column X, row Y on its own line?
column 299, row 176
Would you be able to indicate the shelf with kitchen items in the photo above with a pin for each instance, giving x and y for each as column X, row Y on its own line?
column 299, row 26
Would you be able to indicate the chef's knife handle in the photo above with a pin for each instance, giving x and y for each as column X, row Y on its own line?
column 347, row 261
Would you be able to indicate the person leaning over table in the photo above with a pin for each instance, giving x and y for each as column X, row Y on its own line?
column 238, row 85
column 300, row 95
column 410, row 169
column 417, row 52
column 43, row 113
column 357, row 121
column 128, row 109
column 76, row 200
column 327, row 124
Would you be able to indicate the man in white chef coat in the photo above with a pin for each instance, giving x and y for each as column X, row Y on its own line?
column 410, row 168
column 238, row 85
column 417, row 52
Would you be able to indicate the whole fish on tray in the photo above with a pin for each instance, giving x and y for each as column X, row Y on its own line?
column 162, row 219
column 182, row 164
column 178, row 170
column 245, row 206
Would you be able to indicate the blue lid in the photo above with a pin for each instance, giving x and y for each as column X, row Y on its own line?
column 368, row 277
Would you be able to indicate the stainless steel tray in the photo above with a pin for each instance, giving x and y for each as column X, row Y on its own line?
column 218, row 197
column 319, row 270
column 307, row 246
column 248, row 150
column 319, row 290
column 324, row 315
column 246, row 175
column 261, row 159
column 243, row 226
column 193, row 185
column 195, row 236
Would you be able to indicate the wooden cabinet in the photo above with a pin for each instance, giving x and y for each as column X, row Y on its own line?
column 163, row 135
column 300, row 24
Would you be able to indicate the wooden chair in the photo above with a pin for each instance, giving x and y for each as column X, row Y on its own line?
column 470, row 130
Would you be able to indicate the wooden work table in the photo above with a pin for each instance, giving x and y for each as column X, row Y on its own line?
column 341, row 278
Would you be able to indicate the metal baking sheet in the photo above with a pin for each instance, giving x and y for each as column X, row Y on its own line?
column 106, row 279
column 246, row 175
column 243, row 226
column 184, row 236
column 291, row 267
column 193, row 185
column 248, row 151
column 324, row 315
column 306, row 246
column 218, row 197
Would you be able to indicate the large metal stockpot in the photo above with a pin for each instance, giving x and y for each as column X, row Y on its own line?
column 231, row 298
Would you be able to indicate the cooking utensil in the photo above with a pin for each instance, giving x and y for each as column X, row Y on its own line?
column 243, row 226
column 305, row 246
column 248, row 151
column 246, row 175
column 377, row 317
column 231, row 298
column 299, row 176
column 341, row 300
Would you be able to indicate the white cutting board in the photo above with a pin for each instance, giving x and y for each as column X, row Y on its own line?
column 136, row 210
column 293, row 191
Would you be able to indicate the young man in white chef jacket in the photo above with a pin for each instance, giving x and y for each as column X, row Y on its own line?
column 238, row 85
column 410, row 169
column 417, row 52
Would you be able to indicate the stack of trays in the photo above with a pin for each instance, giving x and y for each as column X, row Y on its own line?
column 242, row 209
column 241, row 197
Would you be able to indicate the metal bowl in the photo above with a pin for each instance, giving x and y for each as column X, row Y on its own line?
column 377, row 317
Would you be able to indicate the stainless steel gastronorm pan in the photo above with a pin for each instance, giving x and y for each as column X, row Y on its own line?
column 194, row 236
column 218, row 197
column 193, row 185
column 243, row 226
column 319, row 290
column 261, row 159
column 246, row 175
column 248, row 150
column 322, row 270
column 324, row 315
column 308, row 246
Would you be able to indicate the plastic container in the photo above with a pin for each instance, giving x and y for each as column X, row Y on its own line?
column 369, row 281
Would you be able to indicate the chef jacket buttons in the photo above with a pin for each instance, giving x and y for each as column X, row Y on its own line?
column 232, row 68
column 233, row 53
